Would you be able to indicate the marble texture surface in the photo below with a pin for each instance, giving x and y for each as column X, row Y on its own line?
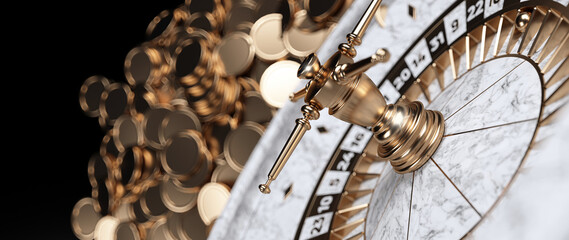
column 472, row 84
column 394, row 221
column 482, row 163
column 535, row 205
column 382, row 194
column 490, row 121
column 438, row 211
column 563, row 2
column 515, row 97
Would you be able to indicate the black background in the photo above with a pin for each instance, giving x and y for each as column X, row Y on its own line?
column 51, row 48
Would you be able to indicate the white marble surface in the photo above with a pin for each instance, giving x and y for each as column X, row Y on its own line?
column 563, row 2
column 490, row 121
column 382, row 194
column 535, row 205
column 438, row 211
column 516, row 96
column 394, row 221
column 482, row 163
column 472, row 84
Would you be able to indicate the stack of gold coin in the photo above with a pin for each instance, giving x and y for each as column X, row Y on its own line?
column 197, row 95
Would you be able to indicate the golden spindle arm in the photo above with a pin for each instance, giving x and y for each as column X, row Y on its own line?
column 302, row 125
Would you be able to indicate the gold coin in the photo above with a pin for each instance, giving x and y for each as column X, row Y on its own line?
column 90, row 94
column 181, row 15
column 84, row 218
column 240, row 143
column 191, row 61
column 97, row 170
column 301, row 43
column 144, row 97
column 150, row 165
column 278, row 81
column 235, row 52
column 152, row 204
column 266, row 33
column 257, row 69
column 108, row 148
column 215, row 135
column 224, row 174
column 159, row 231
column 169, row 41
column 144, row 64
column 191, row 226
column 106, row 228
column 215, row 7
column 230, row 96
column 124, row 211
column 175, row 198
column 210, row 40
column 139, row 214
column 195, row 181
column 204, row 110
column 211, row 201
column 283, row 7
column 152, row 123
column 103, row 195
column 256, row 108
column 237, row 116
column 306, row 24
column 203, row 20
column 322, row 10
column 182, row 155
column 114, row 103
column 165, row 90
column 161, row 24
column 174, row 224
column 127, row 132
column 179, row 120
column 248, row 84
column 244, row 27
column 130, row 166
column 127, row 231
column 240, row 13
column 202, row 88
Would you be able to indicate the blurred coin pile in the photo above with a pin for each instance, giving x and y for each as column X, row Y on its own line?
column 199, row 92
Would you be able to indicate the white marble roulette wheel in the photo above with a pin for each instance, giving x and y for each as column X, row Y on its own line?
column 497, row 71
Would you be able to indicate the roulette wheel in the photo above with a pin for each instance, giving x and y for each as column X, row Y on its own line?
column 496, row 71
column 436, row 119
